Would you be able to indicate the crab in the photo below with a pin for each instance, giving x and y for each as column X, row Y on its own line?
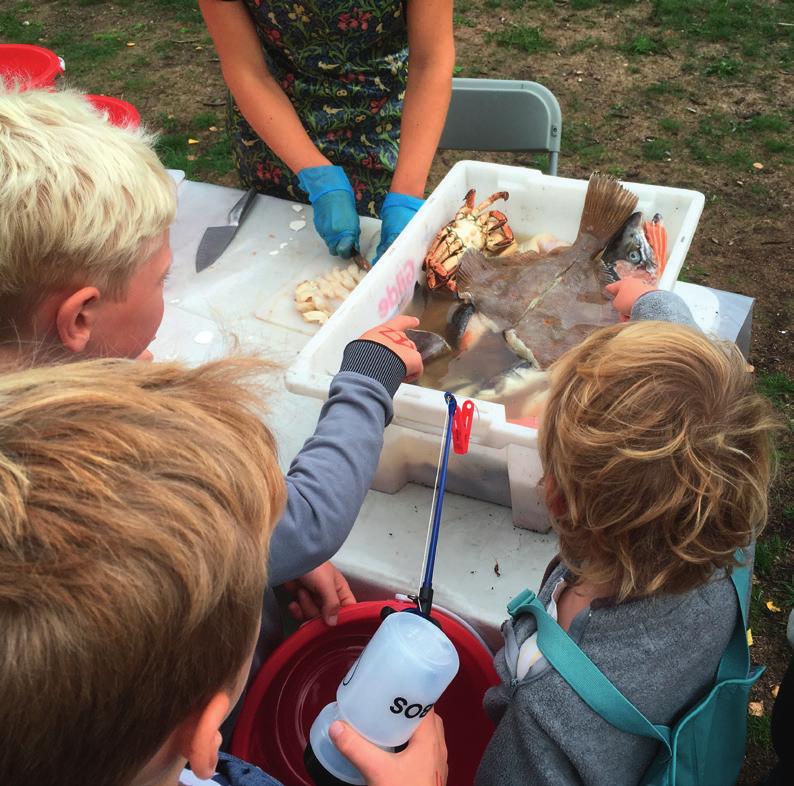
column 472, row 227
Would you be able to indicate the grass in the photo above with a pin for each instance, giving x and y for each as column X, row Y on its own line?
column 768, row 551
column 83, row 54
column 670, row 125
column 184, row 11
column 579, row 140
column 778, row 387
column 759, row 730
column 723, row 139
column 211, row 156
column 13, row 30
column 656, row 150
column 642, row 45
column 583, row 44
column 787, row 594
column 749, row 27
column 665, row 88
column 693, row 273
column 584, row 4
column 514, row 4
column 723, row 67
column 522, row 38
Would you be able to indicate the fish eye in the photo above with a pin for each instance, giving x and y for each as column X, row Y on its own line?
column 634, row 256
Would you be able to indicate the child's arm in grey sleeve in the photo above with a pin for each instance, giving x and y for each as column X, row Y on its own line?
column 663, row 306
column 329, row 478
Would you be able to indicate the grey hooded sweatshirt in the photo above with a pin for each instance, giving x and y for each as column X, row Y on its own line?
column 661, row 652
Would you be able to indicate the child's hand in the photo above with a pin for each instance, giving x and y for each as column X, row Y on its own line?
column 422, row 763
column 627, row 291
column 320, row 591
column 391, row 335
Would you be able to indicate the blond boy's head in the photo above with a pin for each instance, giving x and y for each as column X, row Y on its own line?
column 658, row 453
column 83, row 228
column 136, row 505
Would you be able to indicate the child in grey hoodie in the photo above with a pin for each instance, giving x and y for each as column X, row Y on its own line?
column 657, row 459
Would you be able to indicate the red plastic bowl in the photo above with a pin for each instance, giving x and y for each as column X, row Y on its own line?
column 120, row 113
column 302, row 676
column 32, row 66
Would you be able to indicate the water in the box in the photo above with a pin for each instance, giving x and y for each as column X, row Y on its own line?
column 488, row 373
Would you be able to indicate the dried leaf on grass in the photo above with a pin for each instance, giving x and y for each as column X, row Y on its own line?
column 756, row 709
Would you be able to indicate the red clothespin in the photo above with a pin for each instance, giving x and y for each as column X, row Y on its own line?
column 461, row 427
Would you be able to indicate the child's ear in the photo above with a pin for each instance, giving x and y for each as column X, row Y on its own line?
column 555, row 502
column 75, row 318
column 202, row 738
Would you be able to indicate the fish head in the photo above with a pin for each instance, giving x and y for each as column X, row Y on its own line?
column 631, row 246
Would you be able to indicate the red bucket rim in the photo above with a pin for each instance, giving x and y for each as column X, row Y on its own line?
column 120, row 112
column 43, row 76
column 281, row 669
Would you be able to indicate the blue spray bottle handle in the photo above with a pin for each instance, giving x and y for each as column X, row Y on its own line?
column 425, row 597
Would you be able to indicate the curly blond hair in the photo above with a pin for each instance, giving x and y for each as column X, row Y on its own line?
column 82, row 200
column 660, row 451
column 136, row 506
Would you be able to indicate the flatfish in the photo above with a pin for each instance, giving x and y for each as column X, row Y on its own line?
column 547, row 303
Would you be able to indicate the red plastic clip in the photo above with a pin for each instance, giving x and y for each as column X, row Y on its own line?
column 461, row 427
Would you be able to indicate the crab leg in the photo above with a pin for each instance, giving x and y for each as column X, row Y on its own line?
column 487, row 202
column 493, row 220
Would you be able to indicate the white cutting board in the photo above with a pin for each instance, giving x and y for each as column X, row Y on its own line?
column 258, row 272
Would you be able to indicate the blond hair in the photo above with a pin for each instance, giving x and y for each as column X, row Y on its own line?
column 136, row 505
column 82, row 200
column 660, row 450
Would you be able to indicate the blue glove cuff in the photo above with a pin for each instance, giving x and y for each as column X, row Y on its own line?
column 318, row 181
column 393, row 199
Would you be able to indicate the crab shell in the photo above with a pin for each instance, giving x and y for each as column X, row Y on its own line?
column 472, row 227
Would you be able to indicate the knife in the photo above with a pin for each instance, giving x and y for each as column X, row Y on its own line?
column 360, row 260
column 216, row 239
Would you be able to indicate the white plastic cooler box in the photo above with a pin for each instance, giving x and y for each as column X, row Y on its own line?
column 502, row 464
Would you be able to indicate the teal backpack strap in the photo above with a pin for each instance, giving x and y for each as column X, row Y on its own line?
column 583, row 675
column 520, row 603
column 735, row 662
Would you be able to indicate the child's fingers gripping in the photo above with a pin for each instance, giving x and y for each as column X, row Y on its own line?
column 391, row 335
column 303, row 607
column 626, row 292
column 343, row 591
column 402, row 322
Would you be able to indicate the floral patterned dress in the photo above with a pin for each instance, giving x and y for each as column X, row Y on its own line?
column 344, row 67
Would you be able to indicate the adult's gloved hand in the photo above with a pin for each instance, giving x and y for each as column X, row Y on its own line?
column 397, row 211
column 335, row 216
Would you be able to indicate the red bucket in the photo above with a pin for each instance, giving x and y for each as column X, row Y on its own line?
column 120, row 113
column 32, row 66
column 302, row 676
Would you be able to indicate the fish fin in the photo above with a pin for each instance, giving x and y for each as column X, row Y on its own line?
column 607, row 206
column 473, row 269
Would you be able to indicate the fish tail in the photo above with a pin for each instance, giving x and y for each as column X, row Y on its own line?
column 607, row 206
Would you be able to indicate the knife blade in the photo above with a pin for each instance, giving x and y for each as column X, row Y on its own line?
column 360, row 260
column 216, row 239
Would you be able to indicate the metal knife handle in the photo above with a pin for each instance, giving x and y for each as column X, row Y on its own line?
column 237, row 213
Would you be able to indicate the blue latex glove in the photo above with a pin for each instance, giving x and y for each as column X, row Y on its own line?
column 335, row 216
column 397, row 211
